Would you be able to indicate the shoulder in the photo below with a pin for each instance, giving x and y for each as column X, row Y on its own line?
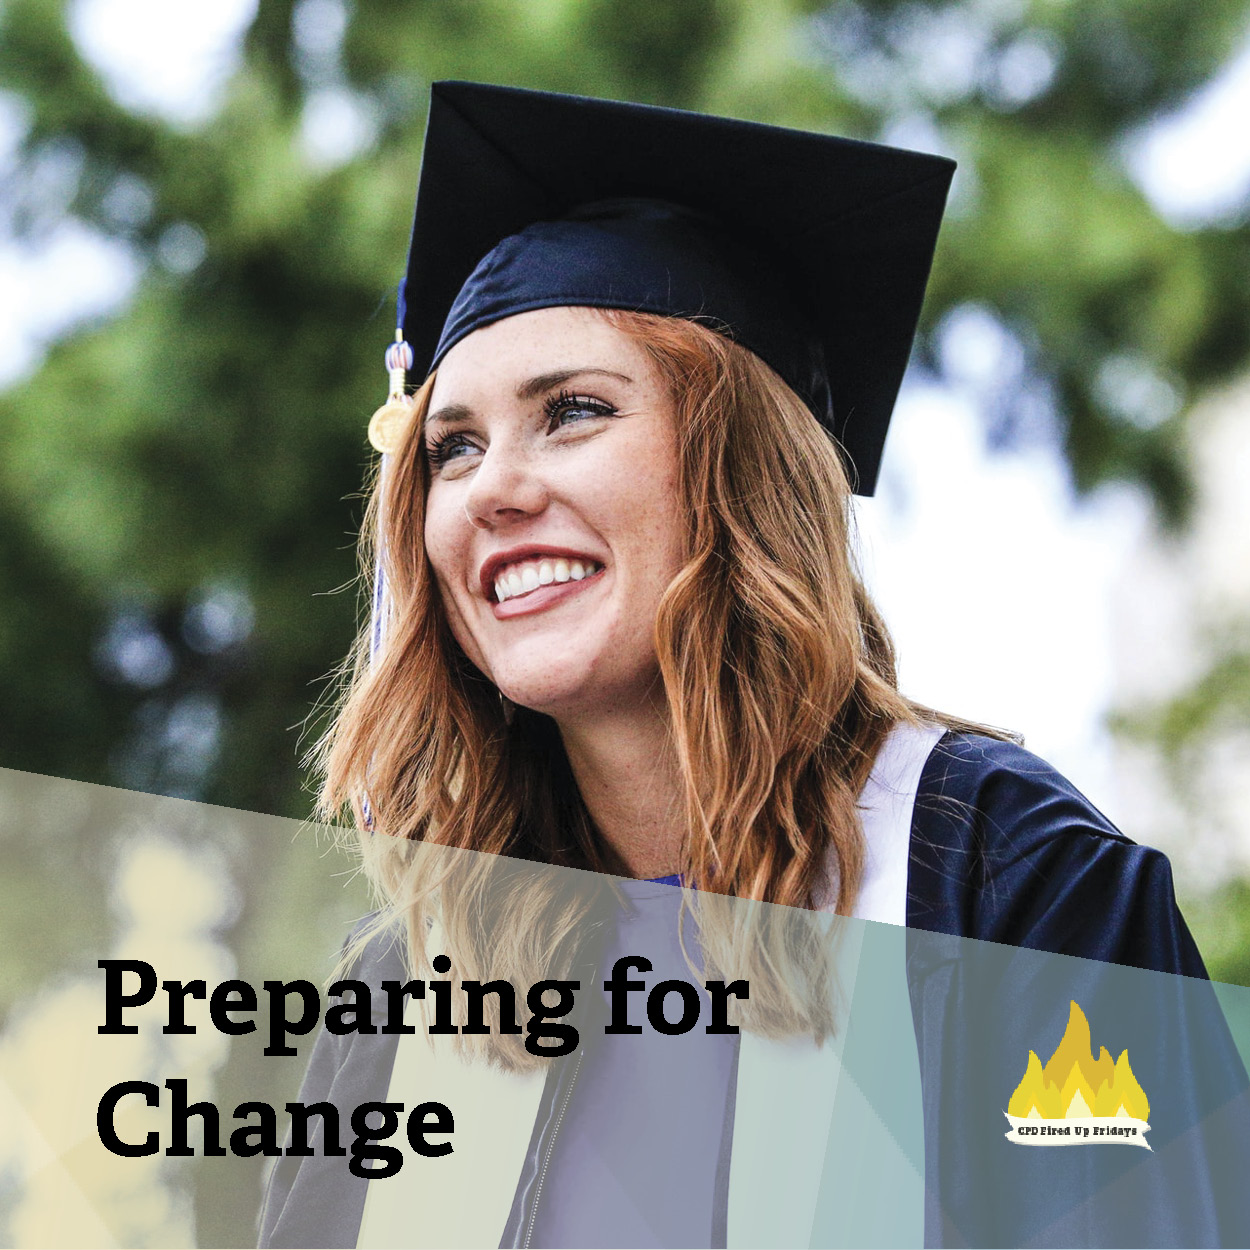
column 1013, row 800
column 1006, row 848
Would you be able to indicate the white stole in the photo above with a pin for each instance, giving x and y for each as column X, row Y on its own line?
column 792, row 1104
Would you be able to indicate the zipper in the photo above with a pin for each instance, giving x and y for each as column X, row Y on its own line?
column 551, row 1145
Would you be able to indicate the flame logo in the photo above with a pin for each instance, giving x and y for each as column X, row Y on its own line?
column 1087, row 1095
column 1074, row 1083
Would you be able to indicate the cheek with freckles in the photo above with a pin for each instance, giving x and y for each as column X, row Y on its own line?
column 447, row 552
column 460, row 630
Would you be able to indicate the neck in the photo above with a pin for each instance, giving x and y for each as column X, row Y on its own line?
column 626, row 770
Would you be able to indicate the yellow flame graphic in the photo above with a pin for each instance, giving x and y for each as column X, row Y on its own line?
column 1073, row 1083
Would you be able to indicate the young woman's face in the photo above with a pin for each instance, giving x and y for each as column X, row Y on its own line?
column 553, row 522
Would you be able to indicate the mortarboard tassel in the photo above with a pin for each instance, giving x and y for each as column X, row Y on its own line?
column 389, row 424
column 387, row 428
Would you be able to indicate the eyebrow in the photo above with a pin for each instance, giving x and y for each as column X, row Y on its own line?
column 547, row 381
column 529, row 389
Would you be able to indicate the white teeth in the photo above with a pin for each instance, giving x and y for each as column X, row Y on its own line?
column 522, row 578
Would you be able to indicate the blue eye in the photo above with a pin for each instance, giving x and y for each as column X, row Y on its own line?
column 447, row 447
column 566, row 407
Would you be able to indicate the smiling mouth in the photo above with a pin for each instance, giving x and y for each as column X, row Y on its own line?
column 526, row 576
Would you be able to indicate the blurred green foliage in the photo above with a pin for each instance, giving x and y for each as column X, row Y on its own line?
column 1222, row 927
column 179, row 485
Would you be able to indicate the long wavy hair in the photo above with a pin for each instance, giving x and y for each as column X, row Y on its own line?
column 780, row 681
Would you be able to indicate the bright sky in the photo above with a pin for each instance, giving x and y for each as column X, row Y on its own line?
column 170, row 59
column 996, row 585
column 1195, row 165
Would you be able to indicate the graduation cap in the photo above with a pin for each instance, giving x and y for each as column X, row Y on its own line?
column 810, row 250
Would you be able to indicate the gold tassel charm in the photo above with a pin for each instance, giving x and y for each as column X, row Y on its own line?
column 389, row 425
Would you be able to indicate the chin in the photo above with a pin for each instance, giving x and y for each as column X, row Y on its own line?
column 577, row 692
column 558, row 702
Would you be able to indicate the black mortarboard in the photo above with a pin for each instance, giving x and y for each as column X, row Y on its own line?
column 808, row 249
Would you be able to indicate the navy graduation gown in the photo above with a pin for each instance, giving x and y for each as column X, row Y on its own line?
column 1002, row 849
column 1006, row 850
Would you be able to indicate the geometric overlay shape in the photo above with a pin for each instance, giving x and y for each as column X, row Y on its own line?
column 860, row 1103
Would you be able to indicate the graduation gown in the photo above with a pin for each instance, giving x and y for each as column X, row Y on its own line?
column 968, row 838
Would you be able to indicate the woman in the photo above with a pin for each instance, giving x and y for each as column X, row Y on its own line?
column 619, row 628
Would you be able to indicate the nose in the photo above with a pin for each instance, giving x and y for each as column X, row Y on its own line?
column 505, row 488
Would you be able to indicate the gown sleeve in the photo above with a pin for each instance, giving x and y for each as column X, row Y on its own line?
column 315, row 1200
column 1023, row 898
